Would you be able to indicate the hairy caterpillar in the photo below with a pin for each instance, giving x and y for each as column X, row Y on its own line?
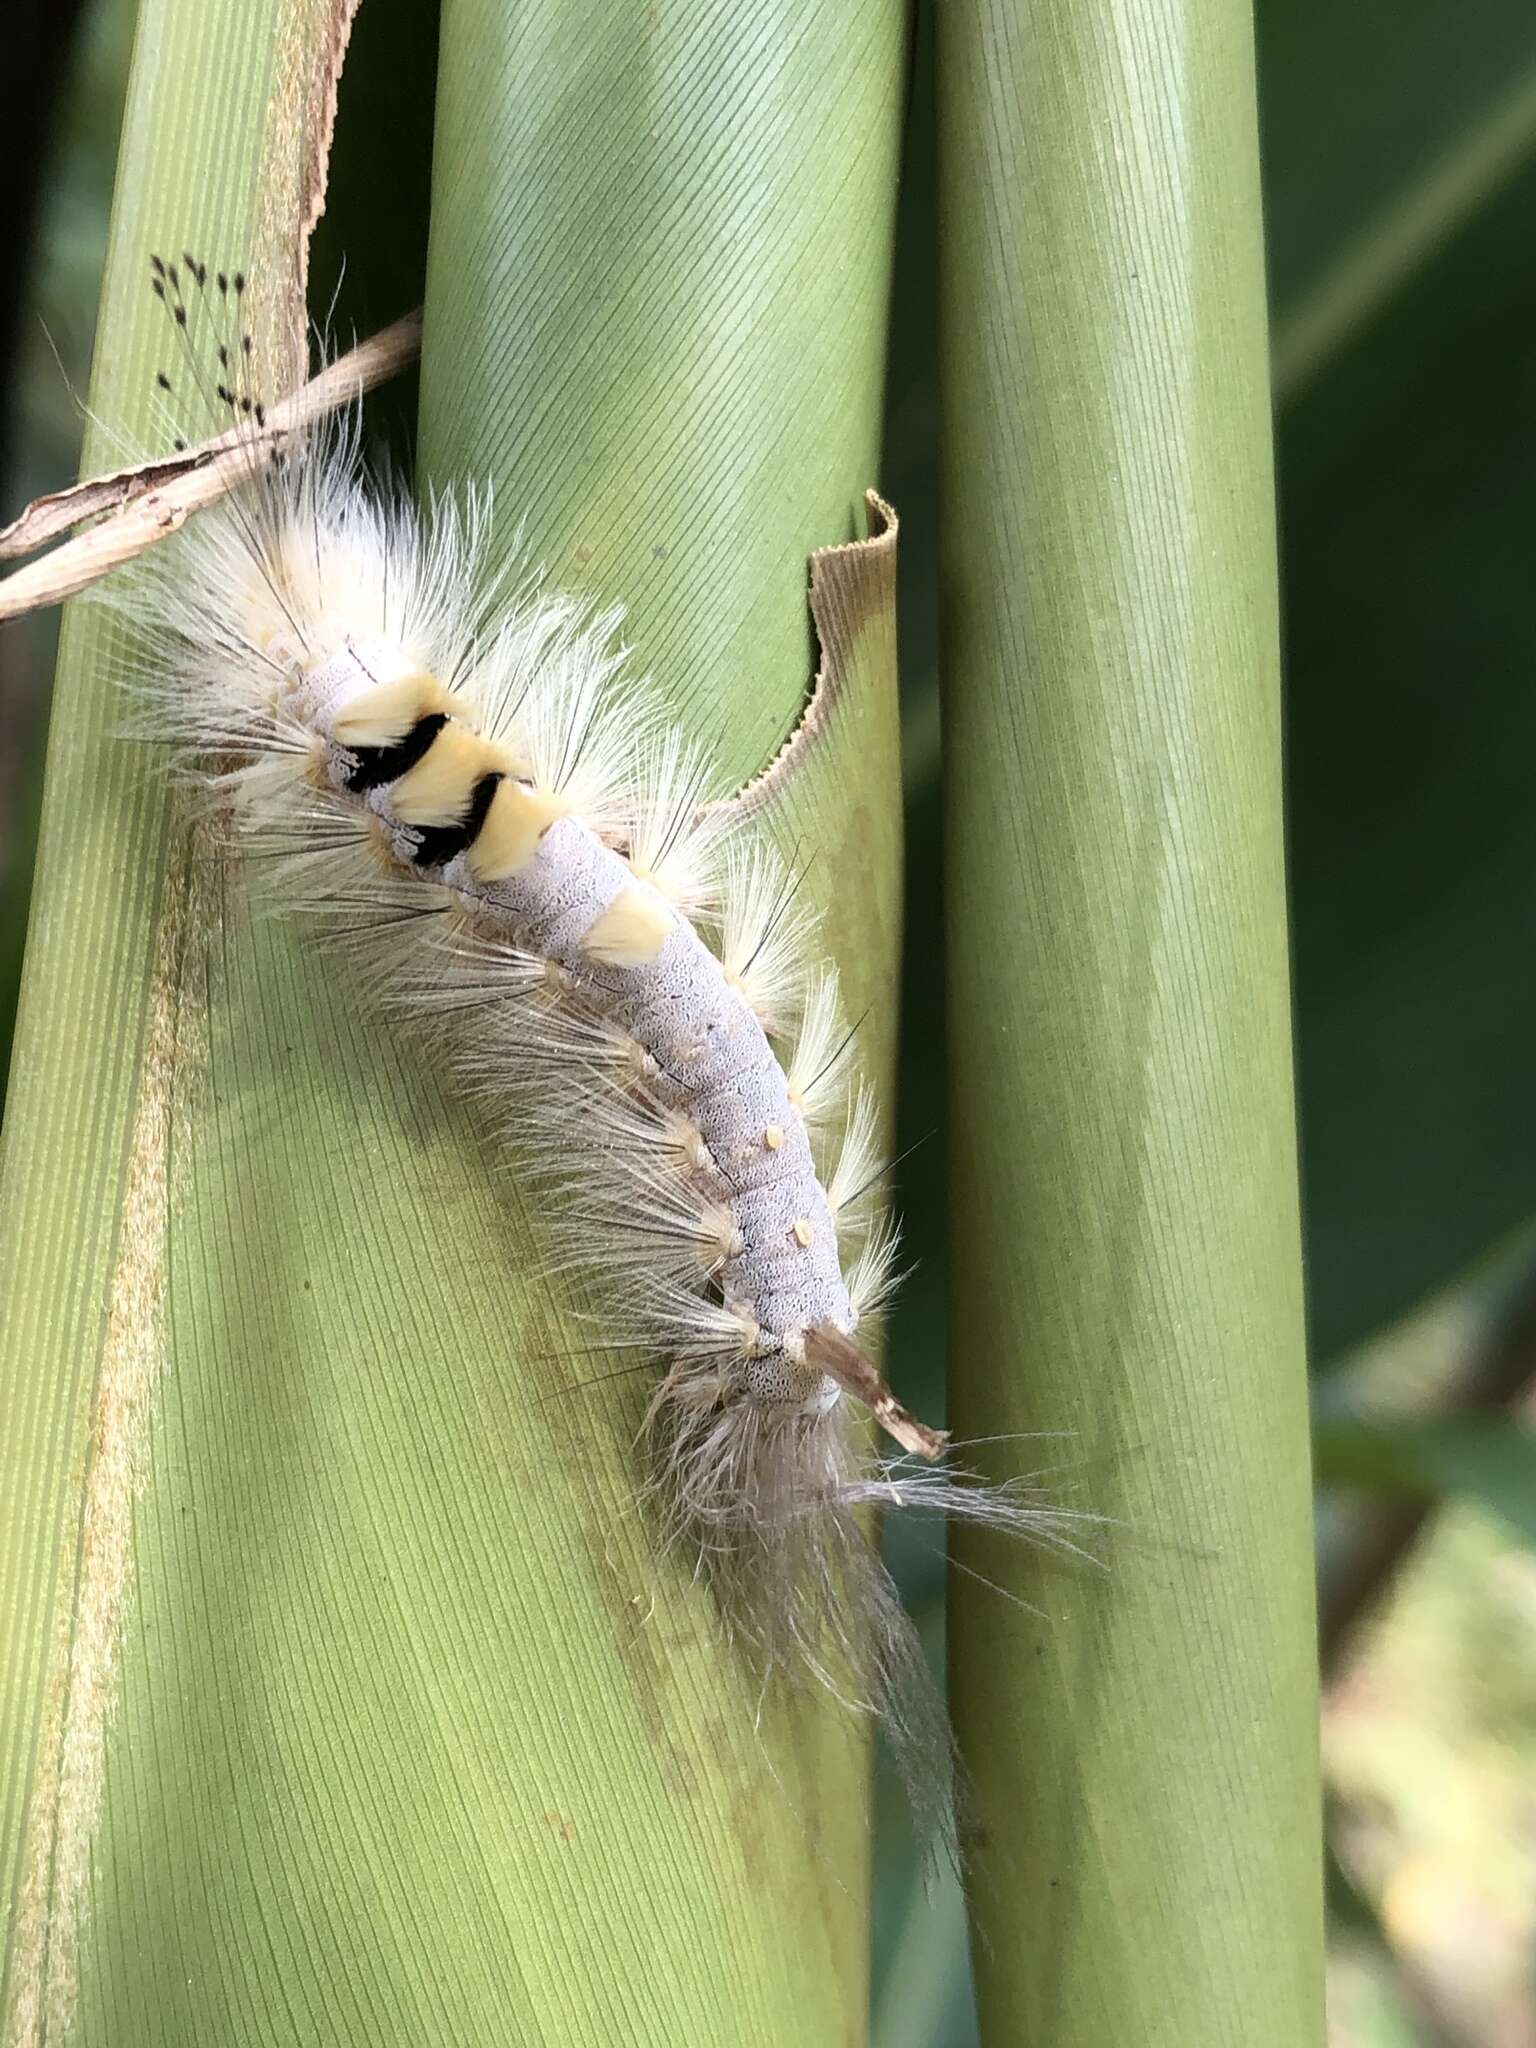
column 453, row 768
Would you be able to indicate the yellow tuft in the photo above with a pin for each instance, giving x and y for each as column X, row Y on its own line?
column 438, row 789
column 773, row 1137
column 631, row 931
column 382, row 716
column 516, row 822
column 804, row 1231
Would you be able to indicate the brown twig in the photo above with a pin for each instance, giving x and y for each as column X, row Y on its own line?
column 831, row 1352
column 153, row 501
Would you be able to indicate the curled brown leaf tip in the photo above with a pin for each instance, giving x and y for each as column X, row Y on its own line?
column 851, row 584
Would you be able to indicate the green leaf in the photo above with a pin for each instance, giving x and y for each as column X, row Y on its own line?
column 1488, row 1459
column 1386, row 126
column 104, row 1054
column 1408, row 522
column 1124, row 1254
column 1399, row 149
column 345, row 1696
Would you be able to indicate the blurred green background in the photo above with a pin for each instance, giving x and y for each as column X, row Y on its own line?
column 1400, row 156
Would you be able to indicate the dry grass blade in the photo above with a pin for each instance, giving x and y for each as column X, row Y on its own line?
column 147, row 503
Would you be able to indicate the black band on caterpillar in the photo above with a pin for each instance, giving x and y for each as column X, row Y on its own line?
column 377, row 767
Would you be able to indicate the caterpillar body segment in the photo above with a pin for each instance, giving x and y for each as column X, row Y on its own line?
column 448, row 805
column 454, row 768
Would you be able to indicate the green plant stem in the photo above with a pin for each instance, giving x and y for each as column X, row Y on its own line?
column 1126, row 1270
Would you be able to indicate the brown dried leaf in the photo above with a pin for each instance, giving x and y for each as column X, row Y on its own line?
column 295, row 169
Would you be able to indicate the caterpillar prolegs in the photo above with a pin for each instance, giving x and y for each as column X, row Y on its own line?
column 618, row 974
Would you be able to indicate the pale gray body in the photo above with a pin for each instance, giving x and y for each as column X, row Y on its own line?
column 714, row 1061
